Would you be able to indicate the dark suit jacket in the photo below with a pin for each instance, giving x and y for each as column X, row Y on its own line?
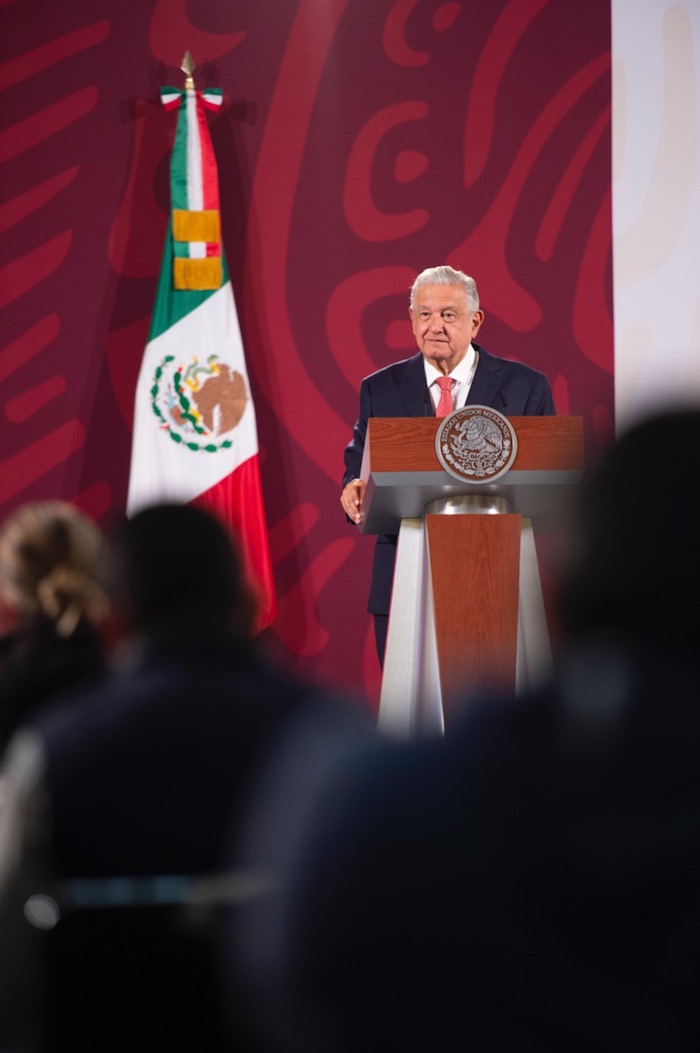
column 149, row 774
column 400, row 390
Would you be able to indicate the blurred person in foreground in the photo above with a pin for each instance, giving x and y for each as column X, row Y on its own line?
column 531, row 882
column 51, row 604
column 143, row 778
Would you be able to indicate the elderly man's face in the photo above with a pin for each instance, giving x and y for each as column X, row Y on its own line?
column 443, row 325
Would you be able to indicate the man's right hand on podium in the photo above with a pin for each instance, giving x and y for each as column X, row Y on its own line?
column 351, row 499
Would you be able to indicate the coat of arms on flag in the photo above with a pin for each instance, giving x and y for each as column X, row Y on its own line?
column 195, row 433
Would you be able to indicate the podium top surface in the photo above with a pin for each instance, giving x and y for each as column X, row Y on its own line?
column 403, row 474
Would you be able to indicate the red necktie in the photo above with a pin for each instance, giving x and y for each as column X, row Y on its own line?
column 444, row 406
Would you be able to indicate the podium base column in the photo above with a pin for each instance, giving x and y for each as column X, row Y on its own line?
column 411, row 701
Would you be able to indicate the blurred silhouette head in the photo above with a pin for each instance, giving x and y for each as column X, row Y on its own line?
column 173, row 562
column 50, row 555
column 634, row 564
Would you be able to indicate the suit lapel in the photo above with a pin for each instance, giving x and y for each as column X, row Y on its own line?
column 487, row 382
column 414, row 390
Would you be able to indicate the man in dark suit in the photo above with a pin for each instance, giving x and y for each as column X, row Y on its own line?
column 446, row 317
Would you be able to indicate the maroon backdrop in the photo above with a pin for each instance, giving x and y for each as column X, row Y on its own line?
column 360, row 141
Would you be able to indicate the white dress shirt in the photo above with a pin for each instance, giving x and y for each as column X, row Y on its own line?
column 462, row 374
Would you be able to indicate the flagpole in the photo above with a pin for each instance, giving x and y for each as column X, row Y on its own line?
column 188, row 67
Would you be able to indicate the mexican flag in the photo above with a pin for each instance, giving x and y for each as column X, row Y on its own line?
column 195, row 434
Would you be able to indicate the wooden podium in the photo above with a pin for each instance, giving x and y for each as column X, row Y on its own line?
column 467, row 608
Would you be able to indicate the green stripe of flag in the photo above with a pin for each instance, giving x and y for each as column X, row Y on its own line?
column 173, row 304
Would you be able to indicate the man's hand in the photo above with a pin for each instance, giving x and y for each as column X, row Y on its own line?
column 351, row 499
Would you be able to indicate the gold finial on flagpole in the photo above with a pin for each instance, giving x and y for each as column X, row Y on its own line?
column 188, row 67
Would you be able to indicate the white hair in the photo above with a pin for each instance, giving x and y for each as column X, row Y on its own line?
column 445, row 275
